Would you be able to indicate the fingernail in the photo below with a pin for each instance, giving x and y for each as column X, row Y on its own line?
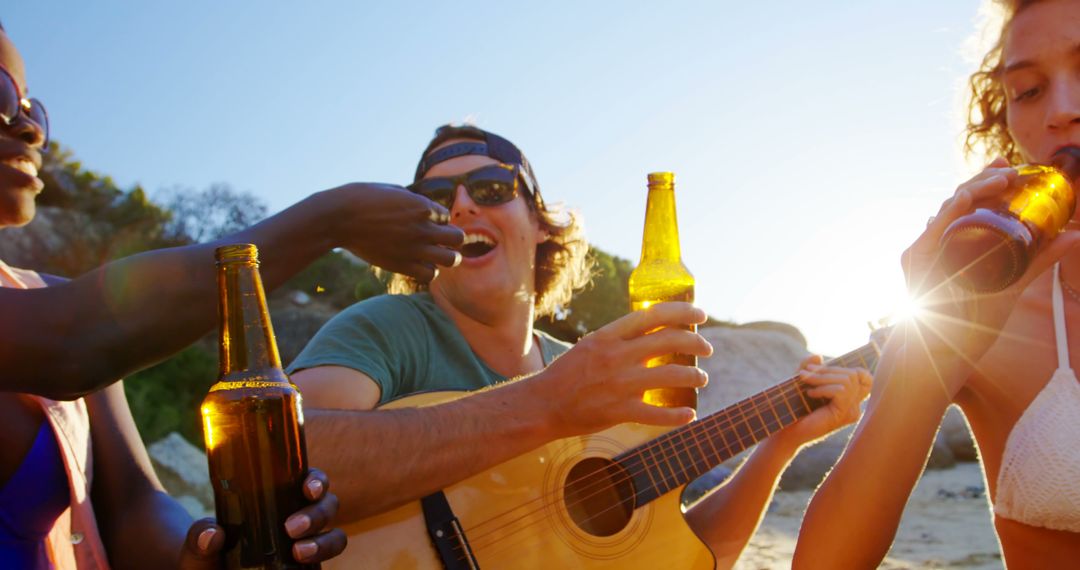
column 306, row 549
column 813, row 366
column 314, row 487
column 297, row 524
column 205, row 537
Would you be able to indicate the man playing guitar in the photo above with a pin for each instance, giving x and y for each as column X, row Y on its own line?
column 472, row 330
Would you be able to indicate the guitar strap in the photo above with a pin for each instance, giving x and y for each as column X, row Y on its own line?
column 446, row 533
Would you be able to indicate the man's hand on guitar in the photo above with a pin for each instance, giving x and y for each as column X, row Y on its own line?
column 601, row 381
column 845, row 388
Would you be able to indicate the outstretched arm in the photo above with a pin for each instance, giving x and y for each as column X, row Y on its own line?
column 865, row 494
column 66, row 341
column 726, row 518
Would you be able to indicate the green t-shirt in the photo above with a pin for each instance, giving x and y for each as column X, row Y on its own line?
column 406, row 344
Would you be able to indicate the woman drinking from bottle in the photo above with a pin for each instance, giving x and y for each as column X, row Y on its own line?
column 1006, row 358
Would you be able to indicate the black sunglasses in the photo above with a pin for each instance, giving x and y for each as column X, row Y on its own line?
column 12, row 103
column 487, row 186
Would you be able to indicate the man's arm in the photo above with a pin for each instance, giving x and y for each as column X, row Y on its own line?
column 405, row 454
column 865, row 494
column 728, row 516
column 69, row 340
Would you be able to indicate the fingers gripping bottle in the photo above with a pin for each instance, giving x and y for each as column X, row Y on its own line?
column 253, row 423
column 661, row 276
column 989, row 249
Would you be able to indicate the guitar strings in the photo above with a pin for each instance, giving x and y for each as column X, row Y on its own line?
column 478, row 542
column 743, row 406
column 722, row 420
column 719, row 419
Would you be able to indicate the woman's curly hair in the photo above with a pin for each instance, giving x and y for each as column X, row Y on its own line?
column 987, row 132
column 563, row 263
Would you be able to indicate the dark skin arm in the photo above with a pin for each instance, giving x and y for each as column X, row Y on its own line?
column 126, row 493
column 67, row 341
column 143, row 527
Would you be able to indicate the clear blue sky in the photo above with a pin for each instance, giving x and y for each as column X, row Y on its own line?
column 810, row 140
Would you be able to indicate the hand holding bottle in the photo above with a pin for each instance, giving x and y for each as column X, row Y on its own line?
column 957, row 320
column 315, row 541
column 601, row 381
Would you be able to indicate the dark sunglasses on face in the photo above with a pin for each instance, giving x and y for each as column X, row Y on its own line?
column 12, row 103
column 487, row 186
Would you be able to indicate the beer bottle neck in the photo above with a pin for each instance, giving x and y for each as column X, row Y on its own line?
column 247, row 336
column 661, row 236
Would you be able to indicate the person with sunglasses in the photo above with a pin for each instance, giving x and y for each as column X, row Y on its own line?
column 471, row 329
column 77, row 489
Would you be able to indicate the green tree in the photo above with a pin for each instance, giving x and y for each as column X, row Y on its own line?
column 604, row 300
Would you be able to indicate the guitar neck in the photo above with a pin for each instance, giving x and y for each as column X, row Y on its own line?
column 681, row 455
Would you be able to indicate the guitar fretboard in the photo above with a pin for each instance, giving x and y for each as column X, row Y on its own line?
column 681, row 455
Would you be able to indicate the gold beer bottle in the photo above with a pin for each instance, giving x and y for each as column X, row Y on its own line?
column 661, row 276
column 254, row 425
column 989, row 249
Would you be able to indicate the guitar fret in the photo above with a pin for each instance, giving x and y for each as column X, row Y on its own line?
column 716, row 454
column 862, row 359
column 671, row 458
column 702, row 455
column 726, row 435
column 649, row 472
column 661, row 461
column 778, row 423
column 678, row 460
column 743, row 433
column 778, row 411
column 783, row 398
column 805, row 404
column 754, row 421
column 761, row 417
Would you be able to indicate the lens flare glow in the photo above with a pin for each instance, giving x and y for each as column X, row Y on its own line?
column 907, row 309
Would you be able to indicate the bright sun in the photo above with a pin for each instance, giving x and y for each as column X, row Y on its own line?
column 907, row 308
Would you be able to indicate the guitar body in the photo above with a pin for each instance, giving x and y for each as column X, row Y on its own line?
column 539, row 510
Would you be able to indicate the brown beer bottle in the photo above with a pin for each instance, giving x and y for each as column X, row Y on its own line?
column 661, row 276
column 254, row 425
column 989, row 249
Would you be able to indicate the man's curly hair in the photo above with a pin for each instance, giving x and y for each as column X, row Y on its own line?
column 563, row 264
column 987, row 132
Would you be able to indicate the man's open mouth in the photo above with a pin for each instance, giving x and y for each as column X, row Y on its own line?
column 477, row 245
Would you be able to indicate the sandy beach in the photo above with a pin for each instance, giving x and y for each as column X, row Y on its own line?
column 946, row 525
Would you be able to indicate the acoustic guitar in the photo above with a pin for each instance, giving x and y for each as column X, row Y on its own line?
column 606, row 500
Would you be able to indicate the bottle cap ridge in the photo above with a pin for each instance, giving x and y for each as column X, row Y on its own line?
column 237, row 252
column 661, row 178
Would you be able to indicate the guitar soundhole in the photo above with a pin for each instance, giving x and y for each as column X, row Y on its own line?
column 599, row 496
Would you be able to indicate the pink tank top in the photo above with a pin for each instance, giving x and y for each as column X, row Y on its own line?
column 74, row 542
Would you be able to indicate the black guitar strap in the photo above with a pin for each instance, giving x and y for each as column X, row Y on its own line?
column 446, row 533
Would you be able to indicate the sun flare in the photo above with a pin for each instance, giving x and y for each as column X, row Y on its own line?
column 906, row 309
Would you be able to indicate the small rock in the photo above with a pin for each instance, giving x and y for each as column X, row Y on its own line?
column 182, row 469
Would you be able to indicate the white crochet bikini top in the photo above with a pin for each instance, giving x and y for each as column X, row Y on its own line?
column 1039, row 482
